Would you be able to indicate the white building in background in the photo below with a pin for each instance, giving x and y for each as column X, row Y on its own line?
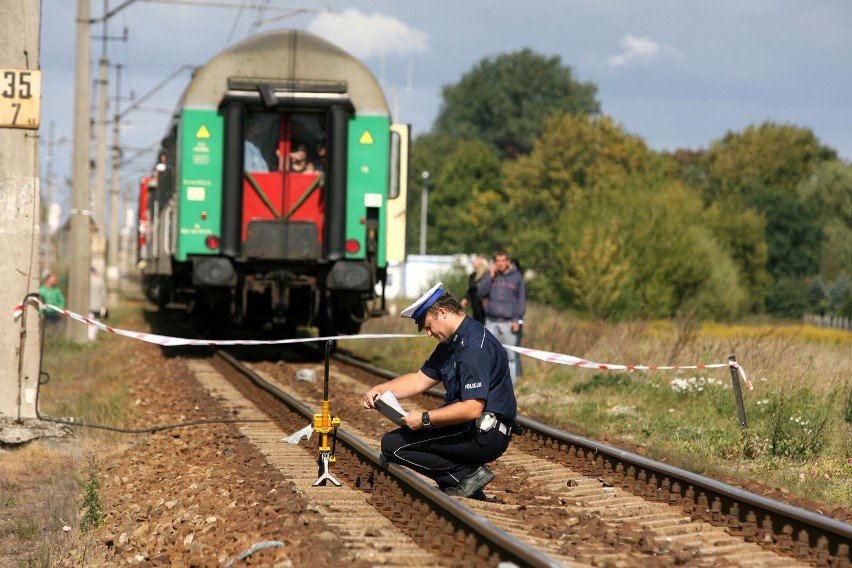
column 407, row 280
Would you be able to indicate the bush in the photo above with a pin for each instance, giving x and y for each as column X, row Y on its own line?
column 93, row 516
column 795, row 425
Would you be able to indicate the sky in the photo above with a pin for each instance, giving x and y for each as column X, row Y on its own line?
column 679, row 74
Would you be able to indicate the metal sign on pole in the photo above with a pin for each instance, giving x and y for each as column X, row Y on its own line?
column 20, row 93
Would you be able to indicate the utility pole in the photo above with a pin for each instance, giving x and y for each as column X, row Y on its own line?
column 80, row 250
column 126, row 235
column 20, row 109
column 101, row 243
column 113, row 276
column 424, row 205
column 100, row 159
column 97, row 200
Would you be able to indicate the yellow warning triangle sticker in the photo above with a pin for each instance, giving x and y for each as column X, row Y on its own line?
column 366, row 138
column 202, row 132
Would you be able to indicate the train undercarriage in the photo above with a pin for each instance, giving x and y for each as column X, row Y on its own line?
column 273, row 297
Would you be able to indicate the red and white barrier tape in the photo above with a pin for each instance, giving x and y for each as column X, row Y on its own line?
column 167, row 341
column 577, row 362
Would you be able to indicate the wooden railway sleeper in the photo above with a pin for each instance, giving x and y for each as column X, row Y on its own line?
column 820, row 555
column 651, row 488
column 733, row 522
column 639, row 484
column 702, row 508
column 663, row 491
column 784, row 541
column 598, row 469
column 459, row 545
column 750, row 527
column 766, row 533
column 675, row 496
column 802, row 546
column 618, row 474
column 716, row 517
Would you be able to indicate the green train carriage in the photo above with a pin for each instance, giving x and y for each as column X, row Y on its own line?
column 279, row 195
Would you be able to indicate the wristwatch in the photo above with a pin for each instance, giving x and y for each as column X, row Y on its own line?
column 427, row 424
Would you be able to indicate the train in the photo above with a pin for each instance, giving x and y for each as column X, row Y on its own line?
column 278, row 197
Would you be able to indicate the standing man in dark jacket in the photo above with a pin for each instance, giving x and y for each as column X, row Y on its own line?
column 505, row 295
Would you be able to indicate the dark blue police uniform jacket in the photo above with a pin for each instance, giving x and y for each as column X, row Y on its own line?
column 472, row 364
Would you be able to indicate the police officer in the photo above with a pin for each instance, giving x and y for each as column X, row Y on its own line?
column 452, row 443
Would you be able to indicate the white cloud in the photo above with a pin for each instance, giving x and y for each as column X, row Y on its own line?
column 369, row 36
column 639, row 50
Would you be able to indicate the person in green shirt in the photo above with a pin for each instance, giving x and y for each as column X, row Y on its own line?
column 51, row 293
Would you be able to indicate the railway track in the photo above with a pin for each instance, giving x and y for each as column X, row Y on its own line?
column 557, row 500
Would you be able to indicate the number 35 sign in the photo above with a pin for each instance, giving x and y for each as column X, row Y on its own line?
column 20, row 98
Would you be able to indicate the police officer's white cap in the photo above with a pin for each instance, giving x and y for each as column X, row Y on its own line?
column 418, row 309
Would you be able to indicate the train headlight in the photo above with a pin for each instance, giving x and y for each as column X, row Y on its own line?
column 352, row 246
column 212, row 242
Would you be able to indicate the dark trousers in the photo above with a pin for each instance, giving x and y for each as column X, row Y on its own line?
column 52, row 323
column 447, row 454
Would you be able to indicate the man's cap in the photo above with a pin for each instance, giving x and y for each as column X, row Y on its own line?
column 417, row 310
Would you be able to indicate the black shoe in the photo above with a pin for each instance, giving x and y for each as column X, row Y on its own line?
column 473, row 483
column 479, row 496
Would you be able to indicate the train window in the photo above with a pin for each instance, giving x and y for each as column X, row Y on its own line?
column 293, row 142
column 398, row 182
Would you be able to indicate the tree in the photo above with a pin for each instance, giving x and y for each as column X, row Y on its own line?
column 598, row 216
column 817, row 296
column 741, row 231
column 794, row 233
column 769, row 155
column 758, row 171
column 504, row 100
column 840, row 293
column 466, row 204
column 574, row 153
column 830, row 188
column 599, row 274
column 789, row 298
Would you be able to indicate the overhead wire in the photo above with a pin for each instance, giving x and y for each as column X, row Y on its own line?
column 235, row 23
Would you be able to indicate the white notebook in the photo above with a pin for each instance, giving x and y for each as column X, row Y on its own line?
column 388, row 405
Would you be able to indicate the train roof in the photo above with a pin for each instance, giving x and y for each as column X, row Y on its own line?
column 291, row 61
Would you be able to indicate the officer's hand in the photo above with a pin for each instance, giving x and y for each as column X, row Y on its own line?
column 515, row 327
column 414, row 419
column 370, row 397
